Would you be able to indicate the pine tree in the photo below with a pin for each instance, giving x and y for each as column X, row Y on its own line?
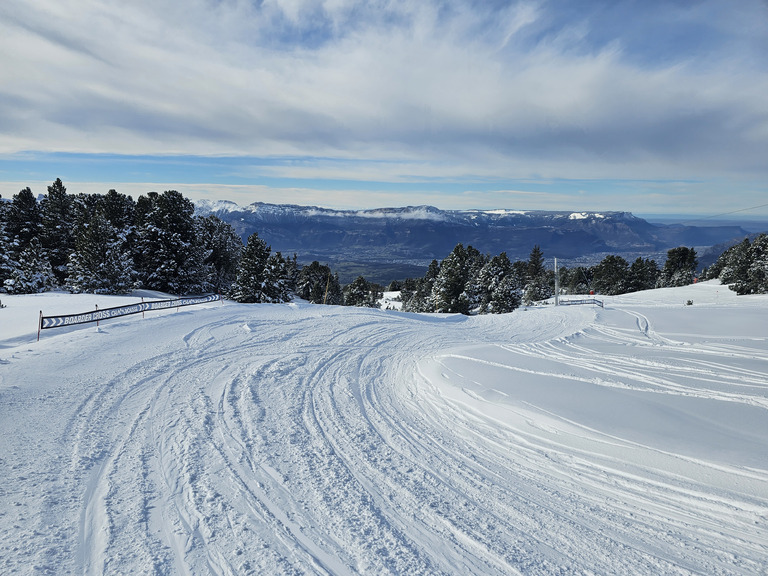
column 168, row 251
column 536, row 267
column 7, row 261
column 489, row 280
column 733, row 264
column 537, row 285
column 362, row 293
column 500, row 287
column 473, row 289
column 356, row 292
column 680, row 267
column 317, row 284
column 433, row 270
column 753, row 276
column 83, row 207
column 448, row 291
column 507, row 296
column 251, row 284
column 417, row 296
column 23, row 220
column 576, row 280
column 99, row 264
column 610, row 276
column 758, row 269
column 643, row 275
column 334, row 295
column 57, row 223
column 292, row 273
column 310, row 283
column 277, row 279
column 118, row 209
column 225, row 249
column 33, row 273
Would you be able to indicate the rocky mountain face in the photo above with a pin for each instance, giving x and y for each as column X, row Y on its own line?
column 414, row 235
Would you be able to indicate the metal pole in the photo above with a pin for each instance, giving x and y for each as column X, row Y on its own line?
column 557, row 285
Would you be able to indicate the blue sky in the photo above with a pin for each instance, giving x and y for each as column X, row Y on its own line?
column 649, row 107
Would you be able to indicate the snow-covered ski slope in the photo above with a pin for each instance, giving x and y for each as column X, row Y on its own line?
column 300, row 439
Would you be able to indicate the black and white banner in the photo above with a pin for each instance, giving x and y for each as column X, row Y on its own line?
column 96, row 315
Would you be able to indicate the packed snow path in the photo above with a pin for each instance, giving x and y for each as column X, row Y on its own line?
column 300, row 439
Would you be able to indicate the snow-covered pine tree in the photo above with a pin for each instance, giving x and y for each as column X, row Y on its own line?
column 361, row 293
column 507, row 295
column 755, row 279
column 57, row 225
column 225, row 249
column 118, row 209
column 33, row 273
column 537, row 285
column 473, row 290
column 501, row 289
column 317, row 284
column 680, row 267
column 7, row 262
column 643, row 275
column 100, row 262
column 356, row 292
column 277, row 279
column 433, row 270
column 758, row 269
column 448, row 290
column 419, row 299
column 610, row 276
column 251, row 284
column 576, row 280
column 416, row 295
column 733, row 264
column 311, row 282
column 23, row 220
column 168, row 250
column 291, row 274
column 488, row 280
column 334, row 295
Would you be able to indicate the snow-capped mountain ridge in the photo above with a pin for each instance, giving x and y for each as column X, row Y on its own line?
column 418, row 234
column 424, row 211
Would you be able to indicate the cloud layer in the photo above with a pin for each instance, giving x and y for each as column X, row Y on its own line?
column 396, row 89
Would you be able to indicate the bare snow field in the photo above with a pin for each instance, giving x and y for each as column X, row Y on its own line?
column 300, row 439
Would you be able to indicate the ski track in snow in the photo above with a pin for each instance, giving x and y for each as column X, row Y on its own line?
column 302, row 439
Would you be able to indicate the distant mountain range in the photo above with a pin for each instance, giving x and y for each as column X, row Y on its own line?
column 399, row 242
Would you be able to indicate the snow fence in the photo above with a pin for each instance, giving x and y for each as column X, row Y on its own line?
column 117, row 311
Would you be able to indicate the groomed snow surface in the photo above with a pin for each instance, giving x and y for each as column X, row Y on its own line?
column 301, row 439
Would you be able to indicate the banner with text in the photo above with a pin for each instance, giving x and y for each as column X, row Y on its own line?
column 106, row 313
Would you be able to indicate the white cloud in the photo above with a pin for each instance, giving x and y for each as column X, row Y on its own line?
column 449, row 84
